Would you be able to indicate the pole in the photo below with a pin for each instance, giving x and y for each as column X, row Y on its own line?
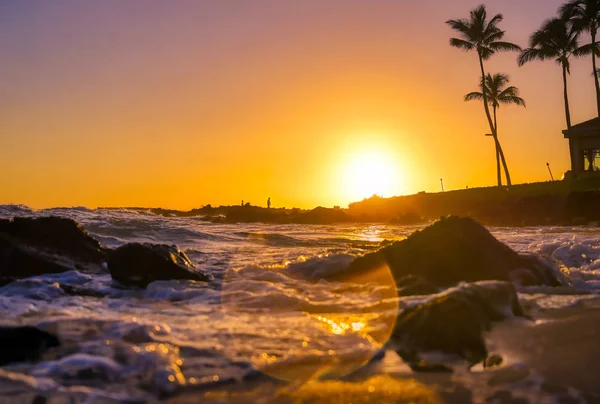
column 550, row 171
column 442, row 182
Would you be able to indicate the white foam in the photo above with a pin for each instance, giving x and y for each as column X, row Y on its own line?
column 264, row 299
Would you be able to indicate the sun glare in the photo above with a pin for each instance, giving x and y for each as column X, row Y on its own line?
column 372, row 172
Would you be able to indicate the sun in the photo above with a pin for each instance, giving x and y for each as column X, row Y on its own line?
column 370, row 172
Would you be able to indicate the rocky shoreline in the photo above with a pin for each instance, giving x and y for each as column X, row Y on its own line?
column 560, row 203
column 468, row 279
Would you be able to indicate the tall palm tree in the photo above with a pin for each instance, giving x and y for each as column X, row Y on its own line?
column 484, row 37
column 555, row 40
column 584, row 15
column 494, row 88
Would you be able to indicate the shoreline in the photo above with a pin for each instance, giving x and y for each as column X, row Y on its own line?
column 557, row 351
column 557, row 203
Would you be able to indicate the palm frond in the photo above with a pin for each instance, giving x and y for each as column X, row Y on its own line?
column 587, row 49
column 531, row 54
column 495, row 36
column 582, row 15
column 504, row 46
column 512, row 100
column 461, row 44
column 569, row 9
column 485, row 52
column 461, row 25
column 496, row 94
column 497, row 81
column 474, row 96
column 511, row 91
column 496, row 19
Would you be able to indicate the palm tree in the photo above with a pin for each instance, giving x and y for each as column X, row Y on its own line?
column 584, row 15
column 555, row 40
column 494, row 88
column 483, row 36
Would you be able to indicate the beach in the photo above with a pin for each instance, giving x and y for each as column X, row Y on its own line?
column 275, row 321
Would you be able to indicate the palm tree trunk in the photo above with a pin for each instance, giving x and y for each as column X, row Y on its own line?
column 566, row 95
column 487, row 108
column 498, row 172
column 501, row 153
column 595, row 72
column 508, row 181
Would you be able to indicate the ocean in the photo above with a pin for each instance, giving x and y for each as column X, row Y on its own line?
column 266, row 317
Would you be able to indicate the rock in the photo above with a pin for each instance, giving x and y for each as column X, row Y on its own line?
column 138, row 264
column 19, row 344
column 321, row 215
column 453, row 250
column 453, row 322
column 31, row 247
column 21, row 261
column 56, row 234
column 492, row 360
column 412, row 285
column 406, row 219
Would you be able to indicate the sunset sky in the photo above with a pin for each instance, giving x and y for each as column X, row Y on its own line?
column 180, row 103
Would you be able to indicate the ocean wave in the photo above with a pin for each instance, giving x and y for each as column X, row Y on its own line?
column 267, row 298
column 581, row 257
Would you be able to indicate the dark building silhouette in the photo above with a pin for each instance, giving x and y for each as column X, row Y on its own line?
column 584, row 147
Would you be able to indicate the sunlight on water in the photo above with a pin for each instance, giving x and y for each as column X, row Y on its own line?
column 268, row 309
column 320, row 342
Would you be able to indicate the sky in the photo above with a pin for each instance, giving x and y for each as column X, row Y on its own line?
column 181, row 103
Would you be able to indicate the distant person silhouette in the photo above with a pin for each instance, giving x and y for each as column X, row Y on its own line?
column 269, row 203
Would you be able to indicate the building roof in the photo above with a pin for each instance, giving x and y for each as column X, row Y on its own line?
column 591, row 127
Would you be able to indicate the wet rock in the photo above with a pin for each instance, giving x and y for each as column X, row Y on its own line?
column 21, row 261
column 492, row 360
column 412, row 285
column 138, row 264
column 56, row 234
column 453, row 250
column 453, row 322
column 19, row 344
column 37, row 246
column 406, row 219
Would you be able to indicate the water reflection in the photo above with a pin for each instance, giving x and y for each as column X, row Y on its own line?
column 327, row 330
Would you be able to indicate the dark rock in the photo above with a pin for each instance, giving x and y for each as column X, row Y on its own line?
column 453, row 250
column 60, row 235
column 453, row 322
column 19, row 344
column 31, row 247
column 492, row 360
column 21, row 261
column 38, row 399
column 582, row 207
column 412, row 285
column 321, row 215
column 139, row 264
column 407, row 219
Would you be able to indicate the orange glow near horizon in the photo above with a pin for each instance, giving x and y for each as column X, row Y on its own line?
column 181, row 104
column 369, row 171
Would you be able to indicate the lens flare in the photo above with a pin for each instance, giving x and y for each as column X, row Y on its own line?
column 318, row 344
